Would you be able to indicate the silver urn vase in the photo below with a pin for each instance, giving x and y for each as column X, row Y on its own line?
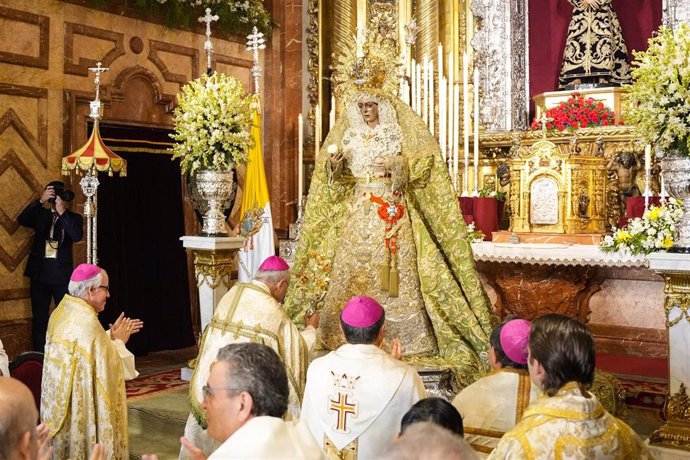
column 676, row 174
column 213, row 192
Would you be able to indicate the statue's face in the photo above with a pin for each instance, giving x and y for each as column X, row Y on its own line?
column 369, row 111
column 627, row 160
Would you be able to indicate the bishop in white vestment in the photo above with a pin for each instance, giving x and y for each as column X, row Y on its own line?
column 494, row 404
column 251, row 312
column 355, row 396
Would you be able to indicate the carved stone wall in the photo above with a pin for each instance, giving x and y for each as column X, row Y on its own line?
column 46, row 48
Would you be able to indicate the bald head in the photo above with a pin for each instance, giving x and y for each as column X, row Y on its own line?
column 18, row 416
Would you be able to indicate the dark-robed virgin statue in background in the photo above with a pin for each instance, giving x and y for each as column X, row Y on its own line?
column 595, row 53
column 382, row 220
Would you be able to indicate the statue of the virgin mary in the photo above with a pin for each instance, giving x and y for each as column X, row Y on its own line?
column 382, row 220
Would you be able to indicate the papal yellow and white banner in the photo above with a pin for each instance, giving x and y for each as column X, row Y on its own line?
column 256, row 224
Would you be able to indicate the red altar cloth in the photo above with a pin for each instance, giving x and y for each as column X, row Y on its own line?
column 634, row 207
column 483, row 212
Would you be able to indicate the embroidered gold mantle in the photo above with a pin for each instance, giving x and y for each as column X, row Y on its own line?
column 437, row 278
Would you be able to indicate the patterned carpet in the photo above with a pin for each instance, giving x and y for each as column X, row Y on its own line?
column 149, row 385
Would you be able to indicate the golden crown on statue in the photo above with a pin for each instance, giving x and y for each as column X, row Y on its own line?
column 370, row 66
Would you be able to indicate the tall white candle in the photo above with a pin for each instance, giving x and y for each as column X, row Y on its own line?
column 476, row 128
column 419, row 89
column 425, row 86
column 456, row 134
column 452, row 114
column 331, row 115
column 413, row 82
column 432, row 96
column 647, row 168
column 300, row 160
column 439, row 60
column 442, row 110
column 317, row 132
column 466, row 120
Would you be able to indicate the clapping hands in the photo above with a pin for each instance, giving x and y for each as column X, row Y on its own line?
column 124, row 327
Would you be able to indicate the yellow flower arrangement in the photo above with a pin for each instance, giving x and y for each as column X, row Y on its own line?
column 653, row 232
column 660, row 92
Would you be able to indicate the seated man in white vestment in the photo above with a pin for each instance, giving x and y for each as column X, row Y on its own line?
column 19, row 436
column 252, row 312
column 356, row 395
column 245, row 398
column 492, row 405
column 566, row 421
column 83, row 398
column 434, row 410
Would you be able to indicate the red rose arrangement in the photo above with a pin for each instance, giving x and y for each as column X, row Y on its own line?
column 577, row 112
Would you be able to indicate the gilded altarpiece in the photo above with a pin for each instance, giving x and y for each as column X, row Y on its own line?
column 576, row 163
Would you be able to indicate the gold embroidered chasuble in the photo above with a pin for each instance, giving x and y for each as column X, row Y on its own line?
column 442, row 314
column 83, row 389
column 595, row 51
column 570, row 426
column 248, row 313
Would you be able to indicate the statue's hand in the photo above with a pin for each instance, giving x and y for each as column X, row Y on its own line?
column 594, row 4
column 335, row 155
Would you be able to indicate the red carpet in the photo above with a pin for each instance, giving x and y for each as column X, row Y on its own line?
column 148, row 385
column 645, row 380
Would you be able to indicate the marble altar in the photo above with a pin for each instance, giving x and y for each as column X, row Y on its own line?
column 615, row 294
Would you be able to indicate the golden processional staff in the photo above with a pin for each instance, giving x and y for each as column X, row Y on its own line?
column 92, row 157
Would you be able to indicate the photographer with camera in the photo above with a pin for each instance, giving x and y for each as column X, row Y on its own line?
column 50, row 260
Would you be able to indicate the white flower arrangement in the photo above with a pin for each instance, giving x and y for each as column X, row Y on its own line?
column 211, row 124
column 660, row 92
column 235, row 17
column 655, row 231
column 474, row 236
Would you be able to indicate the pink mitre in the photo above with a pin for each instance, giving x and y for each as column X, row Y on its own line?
column 274, row 264
column 85, row 272
column 515, row 338
column 361, row 311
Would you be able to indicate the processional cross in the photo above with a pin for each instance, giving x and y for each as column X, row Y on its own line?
column 208, row 46
column 96, row 103
column 256, row 42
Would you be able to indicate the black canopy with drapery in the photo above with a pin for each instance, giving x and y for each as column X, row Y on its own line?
column 140, row 221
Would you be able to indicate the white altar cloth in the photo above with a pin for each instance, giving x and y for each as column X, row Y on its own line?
column 555, row 254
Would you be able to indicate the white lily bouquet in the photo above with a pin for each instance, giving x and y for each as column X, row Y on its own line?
column 655, row 231
column 660, row 91
column 211, row 124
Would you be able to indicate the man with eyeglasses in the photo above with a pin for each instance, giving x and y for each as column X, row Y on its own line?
column 245, row 398
column 83, row 399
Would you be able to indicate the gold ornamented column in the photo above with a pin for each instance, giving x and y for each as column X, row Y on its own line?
column 344, row 24
column 675, row 268
column 427, row 16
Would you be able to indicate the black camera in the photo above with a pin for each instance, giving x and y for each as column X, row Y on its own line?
column 60, row 190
